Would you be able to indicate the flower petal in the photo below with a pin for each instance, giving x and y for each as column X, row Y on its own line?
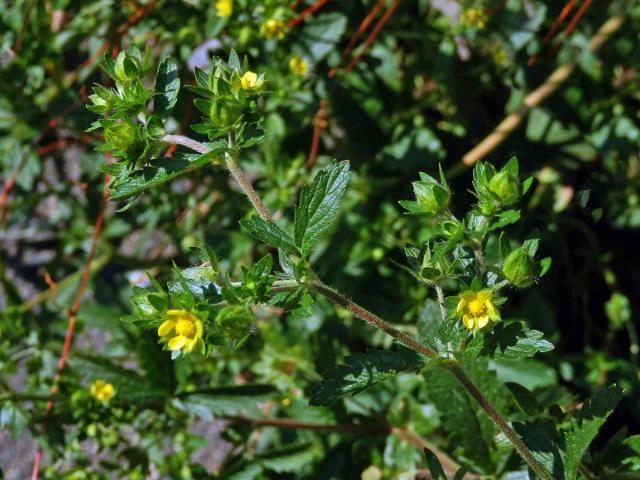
column 461, row 304
column 482, row 321
column 166, row 327
column 492, row 311
column 176, row 343
column 468, row 321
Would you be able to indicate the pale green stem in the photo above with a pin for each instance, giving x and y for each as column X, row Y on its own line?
column 440, row 295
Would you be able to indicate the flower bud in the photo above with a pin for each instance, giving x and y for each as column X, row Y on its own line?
column 125, row 68
column 234, row 321
column 224, row 114
column 431, row 197
column 506, row 186
column 519, row 268
column 120, row 135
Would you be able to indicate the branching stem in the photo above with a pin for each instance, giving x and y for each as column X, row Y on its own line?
column 371, row 318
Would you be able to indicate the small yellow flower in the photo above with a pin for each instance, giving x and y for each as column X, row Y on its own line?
column 102, row 391
column 183, row 328
column 273, row 28
column 224, row 8
column 474, row 17
column 249, row 80
column 299, row 66
column 476, row 309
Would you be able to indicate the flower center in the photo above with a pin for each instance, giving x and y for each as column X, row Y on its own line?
column 186, row 328
column 476, row 307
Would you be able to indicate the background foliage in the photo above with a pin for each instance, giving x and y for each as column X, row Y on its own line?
column 437, row 79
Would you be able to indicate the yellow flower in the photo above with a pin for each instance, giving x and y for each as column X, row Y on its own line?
column 476, row 308
column 183, row 328
column 474, row 17
column 249, row 80
column 224, row 8
column 299, row 66
column 273, row 28
column 102, row 391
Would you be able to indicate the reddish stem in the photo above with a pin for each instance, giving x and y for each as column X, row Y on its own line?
column 559, row 19
column 372, row 36
column 572, row 24
column 320, row 123
column 356, row 36
column 307, row 11
column 84, row 280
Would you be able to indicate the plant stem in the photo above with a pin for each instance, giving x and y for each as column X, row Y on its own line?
column 532, row 100
column 186, row 142
column 456, row 370
column 374, row 320
column 24, row 397
column 440, row 295
column 239, row 176
column 371, row 318
column 233, row 167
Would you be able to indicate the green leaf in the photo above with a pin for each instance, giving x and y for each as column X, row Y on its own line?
column 126, row 183
column 157, row 365
column 541, row 446
column 14, row 419
column 167, row 87
column 270, row 233
column 511, row 341
column 321, row 36
column 130, row 387
column 361, row 371
column 585, row 425
column 458, row 416
column 318, row 205
column 234, row 62
column 527, row 402
column 435, row 468
column 234, row 321
column 236, row 400
column 291, row 458
column 505, row 218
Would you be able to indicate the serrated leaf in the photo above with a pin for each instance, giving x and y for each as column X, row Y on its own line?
column 361, row 371
column 126, row 183
column 505, row 218
column 237, row 400
column 527, row 402
column 129, row 386
column 287, row 459
column 542, row 447
column 511, row 341
column 458, row 416
column 167, row 87
column 158, row 368
column 270, row 233
column 318, row 205
column 234, row 62
column 585, row 425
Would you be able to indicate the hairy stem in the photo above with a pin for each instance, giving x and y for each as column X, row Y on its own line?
column 186, row 142
column 374, row 320
column 440, row 295
column 239, row 176
column 232, row 165
column 456, row 370
column 371, row 318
